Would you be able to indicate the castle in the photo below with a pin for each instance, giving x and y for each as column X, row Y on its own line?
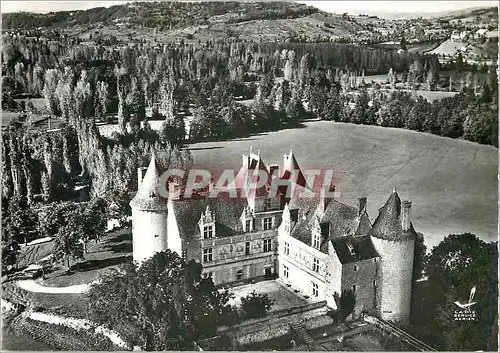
column 318, row 246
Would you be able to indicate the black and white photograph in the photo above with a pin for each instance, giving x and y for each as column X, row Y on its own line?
column 249, row 175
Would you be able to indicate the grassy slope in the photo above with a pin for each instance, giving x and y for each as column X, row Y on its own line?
column 452, row 183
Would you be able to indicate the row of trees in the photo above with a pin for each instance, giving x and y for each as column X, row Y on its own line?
column 468, row 116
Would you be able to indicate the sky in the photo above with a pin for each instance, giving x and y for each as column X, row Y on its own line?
column 369, row 7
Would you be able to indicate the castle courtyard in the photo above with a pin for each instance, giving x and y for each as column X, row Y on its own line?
column 284, row 298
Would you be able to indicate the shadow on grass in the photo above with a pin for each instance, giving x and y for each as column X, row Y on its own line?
column 90, row 265
column 205, row 148
column 121, row 248
column 122, row 237
column 243, row 136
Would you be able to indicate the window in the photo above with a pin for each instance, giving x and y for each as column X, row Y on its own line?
column 239, row 274
column 247, row 248
column 208, row 275
column 355, row 268
column 286, row 249
column 315, row 291
column 269, row 203
column 316, row 265
column 208, row 232
column 354, row 288
column 248, row 225
column 316, row 241
column 375, row 260
column 208, row 255
column 267, row 245
column 157, row 235
column 268, row 223
column 285, row 271
column 374, row 283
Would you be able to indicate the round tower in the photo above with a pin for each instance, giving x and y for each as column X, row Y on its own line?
column 393, row 237
column 149, row 216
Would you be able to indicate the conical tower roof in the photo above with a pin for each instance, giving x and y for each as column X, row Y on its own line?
column 148, row 197
column 388, row 223
column 290, row 165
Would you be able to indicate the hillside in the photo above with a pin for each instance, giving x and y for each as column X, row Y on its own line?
column 167, row 21
column 470, row 13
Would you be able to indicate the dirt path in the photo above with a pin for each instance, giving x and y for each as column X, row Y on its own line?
column 31, row 286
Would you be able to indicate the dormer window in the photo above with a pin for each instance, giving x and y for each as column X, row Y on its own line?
column 316, row 240
column 207, row 224
column 247, row 220
column 208, row 232
column 248, row 225
column 351, row 249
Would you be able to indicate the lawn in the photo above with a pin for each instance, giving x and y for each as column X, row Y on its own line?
column 452, row 183
column 113, row 250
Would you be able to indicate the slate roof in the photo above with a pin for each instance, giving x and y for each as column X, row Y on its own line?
column 340, row 223
column 388, row 223
column 227, row 213
column 147, row 197
column 363, row 249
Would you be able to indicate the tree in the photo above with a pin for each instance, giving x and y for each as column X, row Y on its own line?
column 49, row 89
column 256, row 305
column 10, row 235
column 162, row 304
column 118, row 205
column 173, row 129
column 458, row 264
column 417, row 115
column 481, row 125
column 419, row 257
column 18, row 221
column 295, row 109
column 136, row 101
column 361, row 110
column 68, row 242
column 101, row 99
column 94, row 220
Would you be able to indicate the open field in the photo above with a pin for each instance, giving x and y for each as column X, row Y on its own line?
column 452, row 183
column 429, row 95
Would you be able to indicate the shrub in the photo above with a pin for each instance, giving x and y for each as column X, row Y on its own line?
column 256, row 305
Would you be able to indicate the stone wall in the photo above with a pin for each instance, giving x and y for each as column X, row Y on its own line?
column 396, row 268
column 149, row 233
column 299, row 259
column 364, row 275
column 231, row 263
column 277, row 324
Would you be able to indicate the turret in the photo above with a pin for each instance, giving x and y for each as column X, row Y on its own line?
column 393, row 237
column 149, row 216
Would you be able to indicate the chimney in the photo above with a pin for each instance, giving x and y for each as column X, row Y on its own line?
column 361, row 204
column 140, row 175
column 246, row 161
column 405, row 215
